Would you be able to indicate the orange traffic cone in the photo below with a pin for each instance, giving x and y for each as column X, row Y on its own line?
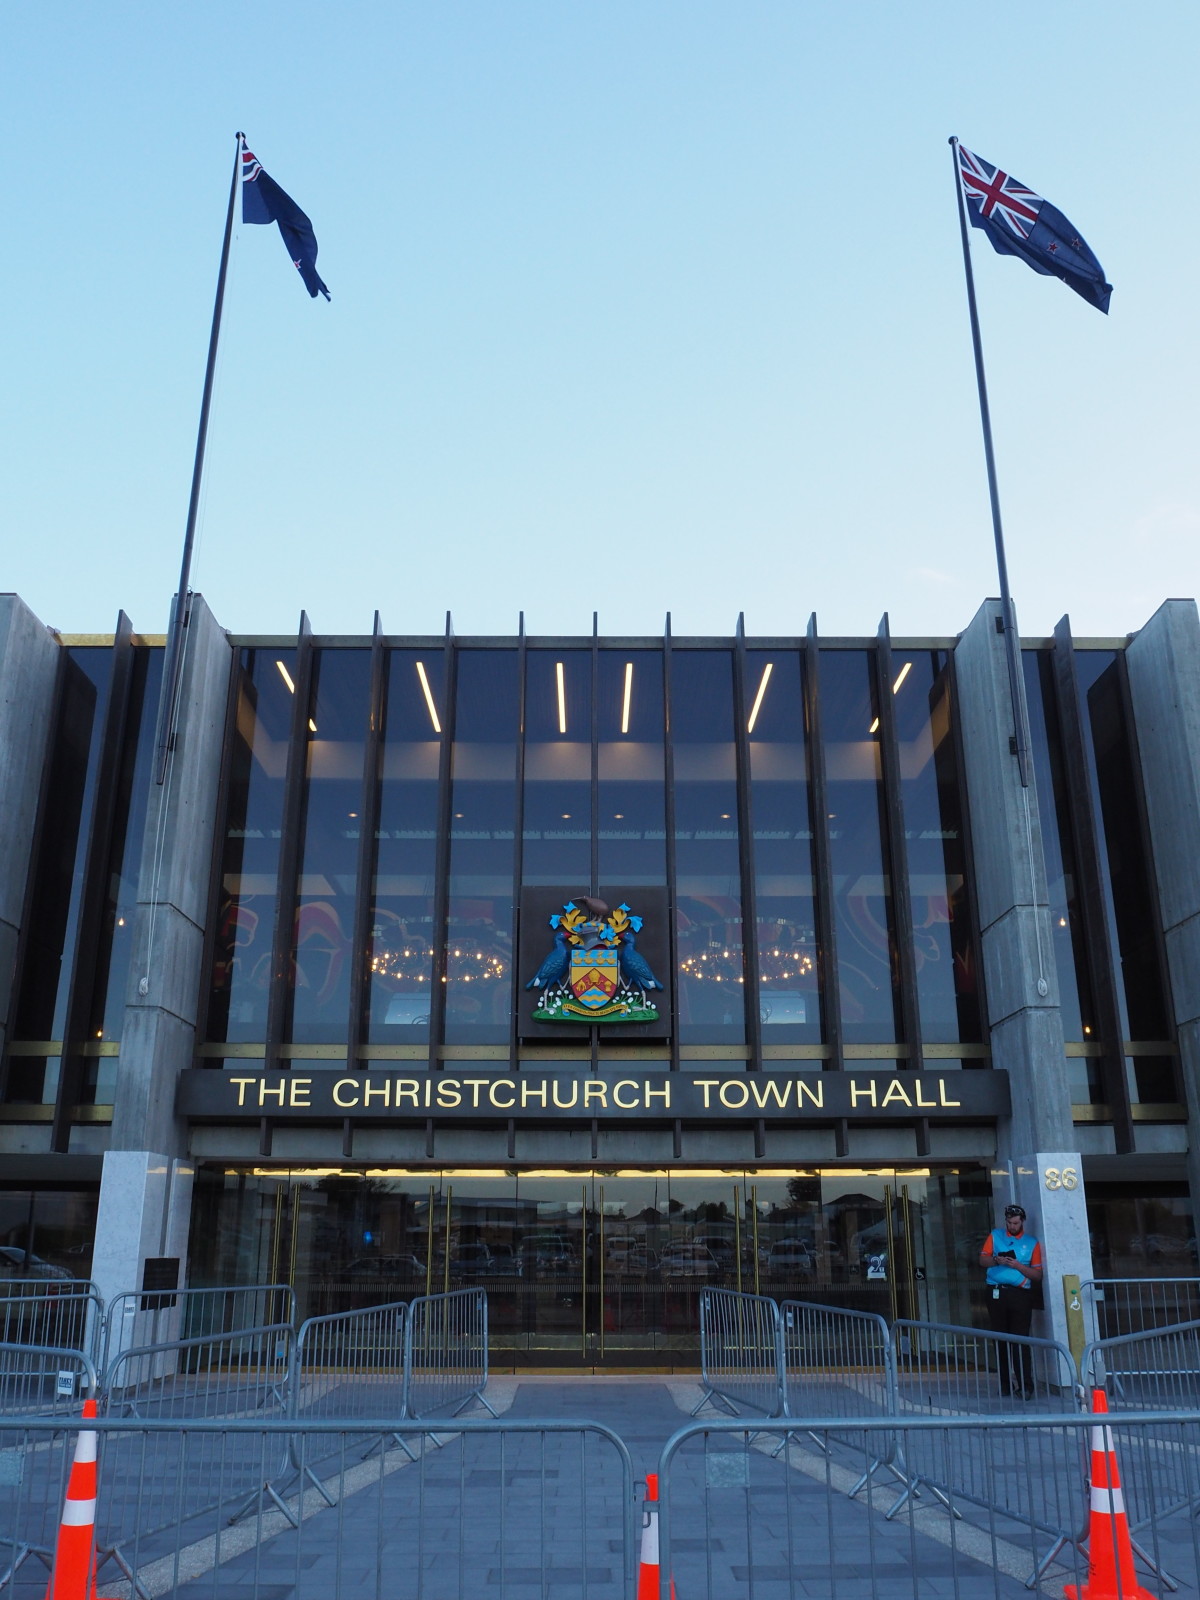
column 648, row 1570
column 1110, row 1549
column 73, row 1575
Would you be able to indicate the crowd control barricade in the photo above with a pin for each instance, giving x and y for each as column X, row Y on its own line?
column 140, row 1317
column 508, row 1507
column 1158, row 1370
column 65, row 1315
column 943, row 1370
column 741, row 1351
column 446, row 1352
column 38, row 1384
column 1117, row 1306
column 747, row 1511
column 344, row 1366
column 840, row 1364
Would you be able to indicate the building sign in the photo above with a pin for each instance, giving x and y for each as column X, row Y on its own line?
column 594, row 961
column 458, row 1094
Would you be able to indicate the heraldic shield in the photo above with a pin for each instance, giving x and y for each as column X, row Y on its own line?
column 594, row 978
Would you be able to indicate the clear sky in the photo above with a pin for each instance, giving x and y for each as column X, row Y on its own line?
column 636, row 307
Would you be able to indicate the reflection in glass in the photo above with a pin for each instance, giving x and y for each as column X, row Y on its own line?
column 789, row 1002
column 400, row 937
column 862, row 893
column 558, row 768
column 707, row 861
column 323, row 925
column 1058, row 843
column 632, row 802
column 479, row 938
column 937, row 871
column 41, row 1008
column 241, row 974
column 1126, row 873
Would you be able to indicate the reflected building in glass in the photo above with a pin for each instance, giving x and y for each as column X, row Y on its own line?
column 598, row 970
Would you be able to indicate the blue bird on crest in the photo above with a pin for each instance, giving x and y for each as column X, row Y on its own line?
column 553, row 968
column 635, row 969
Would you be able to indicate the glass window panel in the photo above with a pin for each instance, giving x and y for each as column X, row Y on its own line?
column 937, row 867
column 483, row 811
column 632, row 792
column 862, row 892
column 58, row 893
column 557, row 845
column 789, row 1001
column 400, row 953
column 323, row 925
column 115, row 952
column 245, row 912
column 707, row 849
column 1058, row 843
column 1128, row 875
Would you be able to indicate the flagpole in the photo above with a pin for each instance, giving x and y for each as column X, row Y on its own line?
column 1012, row 643
column 165, row 731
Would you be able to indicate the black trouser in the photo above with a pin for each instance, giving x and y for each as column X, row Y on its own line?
column 1012, row 1312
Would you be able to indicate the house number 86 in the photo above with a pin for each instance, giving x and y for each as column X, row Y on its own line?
column 1066, row 1178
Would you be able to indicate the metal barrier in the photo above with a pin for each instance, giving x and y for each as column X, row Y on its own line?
column 1158, row 1369
column 43, row 1381
column 445, row 1352
column 510, row 1508
column 741, row 1351
column 224, row 1375
column 840, row 1364
column 65, row 1316
column 1117, row 1306
column 137, row 1317
column 746, row 1512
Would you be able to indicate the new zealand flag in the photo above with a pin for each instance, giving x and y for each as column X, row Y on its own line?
column 264, row 201
column 1021, row 223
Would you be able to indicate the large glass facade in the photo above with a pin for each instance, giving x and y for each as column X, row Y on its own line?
column 631, row 828
column 586, row 1267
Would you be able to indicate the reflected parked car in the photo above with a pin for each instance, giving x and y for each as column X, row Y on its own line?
column 688, row 1261
column 386, row 1267
column 18, row 1263
column 789, row 1258
column 547, row 1255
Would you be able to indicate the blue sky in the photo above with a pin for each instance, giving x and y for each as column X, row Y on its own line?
column 636, row 307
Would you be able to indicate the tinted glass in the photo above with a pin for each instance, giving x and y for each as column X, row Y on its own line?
column 631, row 820
column 862, row 893
column 789, row 1002
column 482, row 849
column 115, row 949
column 241, row 975
column 1066, row 912
column 323, row 919
column 58, row 893
column 937, row 868
column 707, row 849
column 1128, row 874
column 557, row 823
column 400, row 948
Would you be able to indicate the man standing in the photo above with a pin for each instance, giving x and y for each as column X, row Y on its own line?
column 1013, row 1259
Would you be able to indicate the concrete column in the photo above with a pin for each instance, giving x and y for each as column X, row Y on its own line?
column 1164, row 684
column 28, row 664
column 145, row 1204
column 158, row 1038
column 1018, row 958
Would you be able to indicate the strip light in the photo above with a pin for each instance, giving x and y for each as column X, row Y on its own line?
column 758, row 698
column 628, row 697
column 904, row 672
column 425, row 689
column 286, row 676
column 562, row 697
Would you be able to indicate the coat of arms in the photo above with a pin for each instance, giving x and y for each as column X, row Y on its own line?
column 594, row 972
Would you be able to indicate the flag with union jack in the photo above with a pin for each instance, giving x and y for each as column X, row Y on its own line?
column 1020, row 223
column 264, row 201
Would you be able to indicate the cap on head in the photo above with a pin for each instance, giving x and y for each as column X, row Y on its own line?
column 1015, row 1211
